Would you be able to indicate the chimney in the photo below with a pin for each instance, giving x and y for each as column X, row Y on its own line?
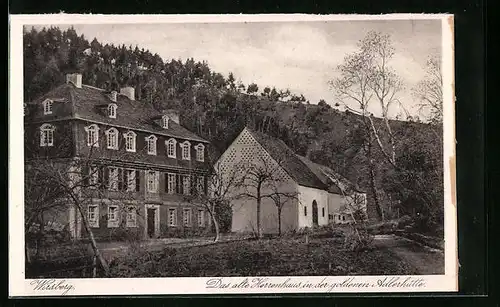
column 129, row 92
column 173, row 115
column 113, row 95
column 75, row 78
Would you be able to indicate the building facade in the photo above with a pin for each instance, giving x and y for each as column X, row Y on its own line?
column 140, row 171
column 320, row 196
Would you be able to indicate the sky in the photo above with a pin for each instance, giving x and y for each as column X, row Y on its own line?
column 301, row 56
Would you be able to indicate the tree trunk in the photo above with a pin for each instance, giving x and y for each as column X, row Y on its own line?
column 259, row 230
column 216, row 226
column 93, row 243
column 372, row 183
column 279, row 221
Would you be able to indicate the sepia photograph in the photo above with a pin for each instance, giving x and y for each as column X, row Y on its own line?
column 249, row 149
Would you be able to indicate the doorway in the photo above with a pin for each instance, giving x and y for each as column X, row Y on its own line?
column 152, row 221
column 315, row 213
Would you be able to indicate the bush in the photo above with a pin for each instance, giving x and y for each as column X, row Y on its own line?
column 357, row 238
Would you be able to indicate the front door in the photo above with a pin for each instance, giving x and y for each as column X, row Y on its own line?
column 315, row 213
column 151, row 222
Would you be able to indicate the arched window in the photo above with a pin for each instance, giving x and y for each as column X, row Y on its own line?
column 164, row 121
column 200, row 152
column 130, row 141
column 47, row 135
column 151, row 144
column 171, row 152
column 112, row 138
column 112, row 110
column 186, row 150
column 92, row 135
column 47, row 106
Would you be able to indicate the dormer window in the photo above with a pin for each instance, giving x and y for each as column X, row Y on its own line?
column 164, row 121
column 200, row 152
column 112, row 110
column 130, row 141
column 151, row 144
column 186, row 150
column 171, row 152
column 92, row 135
column 47, row 135
column 47, row 106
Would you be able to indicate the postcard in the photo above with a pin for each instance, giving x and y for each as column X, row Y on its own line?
column 231, row 154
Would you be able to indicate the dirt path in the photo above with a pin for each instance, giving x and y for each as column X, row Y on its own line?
column 427, row 261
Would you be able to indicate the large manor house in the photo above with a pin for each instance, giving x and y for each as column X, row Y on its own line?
column 150, row 173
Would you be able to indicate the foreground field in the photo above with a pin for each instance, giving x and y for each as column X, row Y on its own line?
column 271, row 257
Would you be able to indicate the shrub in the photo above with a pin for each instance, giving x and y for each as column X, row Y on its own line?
column 357, row 238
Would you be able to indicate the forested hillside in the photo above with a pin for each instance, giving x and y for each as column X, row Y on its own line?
column 218, row 107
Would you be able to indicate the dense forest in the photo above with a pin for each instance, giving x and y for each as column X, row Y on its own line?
column 218, row 107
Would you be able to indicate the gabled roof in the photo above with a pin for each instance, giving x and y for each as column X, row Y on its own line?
column 290, row 162
column 301, row 169
column 337, row 183
column 132, row 114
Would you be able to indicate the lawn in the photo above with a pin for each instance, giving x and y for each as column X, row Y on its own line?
column 270, row 257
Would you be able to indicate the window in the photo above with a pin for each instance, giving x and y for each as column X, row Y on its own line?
column 47, row 106
column 200, row 152
column 200, row 185
column 323, row 212
column 130, row 141
column 130, row 180
column 152, row 181
column 164, row 122
column 92, row 135
column 113, row 178
column 186, row 150
column 93, row 215
column 47, row 135
column 112, row 138
column 93, row 176
column 343, row 217
column 131, row 220
column 113, row 216
column 187, row 217
column 171, row 152
column 186, row 185
column 305, row 211
column 151, row 144
column 201, row 218
column 112, row 110
column 172, row 217
column 171, row 184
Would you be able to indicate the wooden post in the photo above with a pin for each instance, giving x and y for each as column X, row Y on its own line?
column 94, row 266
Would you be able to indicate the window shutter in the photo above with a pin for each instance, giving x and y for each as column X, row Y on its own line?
column 106, row 177
column 85, row 175
column 137, row 181
column 120, row 180
column 178, row 184
column 125, row 180
column 205, row 181
column 166, row 182
column 100, row 177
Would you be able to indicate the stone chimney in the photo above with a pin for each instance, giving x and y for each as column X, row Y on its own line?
column 113, row 95
column 129, row 92
column 75, row 78
column 173, row 115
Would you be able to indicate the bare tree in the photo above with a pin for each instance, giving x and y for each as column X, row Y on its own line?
column 429, row 91
column 264, row 178
column 367, row 78
column 221, row 190
column 57, row 184
column 280, row 199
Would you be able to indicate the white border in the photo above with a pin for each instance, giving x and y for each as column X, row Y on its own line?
column 19, row 286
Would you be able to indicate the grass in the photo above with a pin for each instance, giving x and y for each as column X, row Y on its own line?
column 270, row 257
